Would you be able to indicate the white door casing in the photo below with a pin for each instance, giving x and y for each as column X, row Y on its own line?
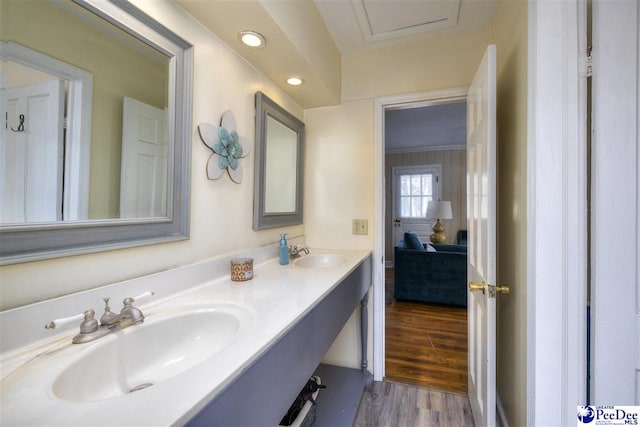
column 615, row 223
column 556, row 206
column 143, row 182
column 32, row 153
column 380, row 105
column 481, row 226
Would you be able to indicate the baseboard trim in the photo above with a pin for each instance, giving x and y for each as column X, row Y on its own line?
column 501, row 418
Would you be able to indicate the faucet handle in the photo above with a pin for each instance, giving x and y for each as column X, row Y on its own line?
column 89, row 324
column 144, row 295
column 127, row 303
column 63, row 321
column 131, row 312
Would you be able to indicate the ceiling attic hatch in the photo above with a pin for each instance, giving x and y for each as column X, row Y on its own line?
column 391, row 19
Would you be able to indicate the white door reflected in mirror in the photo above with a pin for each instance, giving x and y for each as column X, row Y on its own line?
column 31, row 153
column 145, row 147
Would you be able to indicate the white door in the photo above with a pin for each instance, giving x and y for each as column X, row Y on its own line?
column 143, row 180
column 481, row 223
column 413, row 187
column 31, row 153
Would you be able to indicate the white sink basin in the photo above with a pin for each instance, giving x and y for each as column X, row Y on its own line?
column 320, row 261
column 144, row 355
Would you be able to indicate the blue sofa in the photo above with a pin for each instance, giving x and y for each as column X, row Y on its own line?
column 438, row 276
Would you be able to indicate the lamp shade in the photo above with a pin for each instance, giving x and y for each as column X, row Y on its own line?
column 439, row 210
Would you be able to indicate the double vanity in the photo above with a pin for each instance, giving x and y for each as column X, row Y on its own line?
column 209, row 352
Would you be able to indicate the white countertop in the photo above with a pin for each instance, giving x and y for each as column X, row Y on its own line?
column 273, row 302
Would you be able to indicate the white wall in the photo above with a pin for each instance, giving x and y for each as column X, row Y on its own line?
column 338, row 175
column 439, row 62
column 338, row 188
column 509, row 33
column 221, row 211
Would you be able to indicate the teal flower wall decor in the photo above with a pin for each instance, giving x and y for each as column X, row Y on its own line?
column 227, row 148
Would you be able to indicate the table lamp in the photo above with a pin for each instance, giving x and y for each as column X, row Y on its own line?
column 439, row 210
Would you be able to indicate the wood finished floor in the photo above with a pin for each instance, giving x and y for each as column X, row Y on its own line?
column 399, row 405
column 426, row 344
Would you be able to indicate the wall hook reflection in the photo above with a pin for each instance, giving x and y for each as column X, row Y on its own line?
column 20, row 125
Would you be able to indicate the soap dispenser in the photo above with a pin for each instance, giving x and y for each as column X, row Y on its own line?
column 284, row 249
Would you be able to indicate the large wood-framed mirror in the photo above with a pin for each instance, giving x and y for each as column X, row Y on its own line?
column 110, row 166
column 278, row 185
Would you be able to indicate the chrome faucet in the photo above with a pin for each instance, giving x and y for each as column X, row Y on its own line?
column 294, row 251
column 91, row 330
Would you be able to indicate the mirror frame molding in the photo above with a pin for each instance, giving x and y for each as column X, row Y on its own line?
column 38, row 241
column 261, row 220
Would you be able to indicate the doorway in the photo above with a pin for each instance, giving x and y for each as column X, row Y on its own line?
column 389, row 315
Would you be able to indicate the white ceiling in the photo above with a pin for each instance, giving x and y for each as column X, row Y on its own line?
column 367, row 24
column 307, row 38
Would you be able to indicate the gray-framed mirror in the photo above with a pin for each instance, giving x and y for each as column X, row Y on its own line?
column 116, row 169
column 278, row 185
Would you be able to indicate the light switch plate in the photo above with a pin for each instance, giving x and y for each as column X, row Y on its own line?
column 360, row 226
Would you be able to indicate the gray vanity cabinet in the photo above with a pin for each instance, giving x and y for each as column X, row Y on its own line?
column 261, row 395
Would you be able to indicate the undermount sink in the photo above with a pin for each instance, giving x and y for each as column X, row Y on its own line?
column 320, row 261
column 141, row 356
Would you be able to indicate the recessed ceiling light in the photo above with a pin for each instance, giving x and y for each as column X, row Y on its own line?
column 295, row 81
column 252, row 39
